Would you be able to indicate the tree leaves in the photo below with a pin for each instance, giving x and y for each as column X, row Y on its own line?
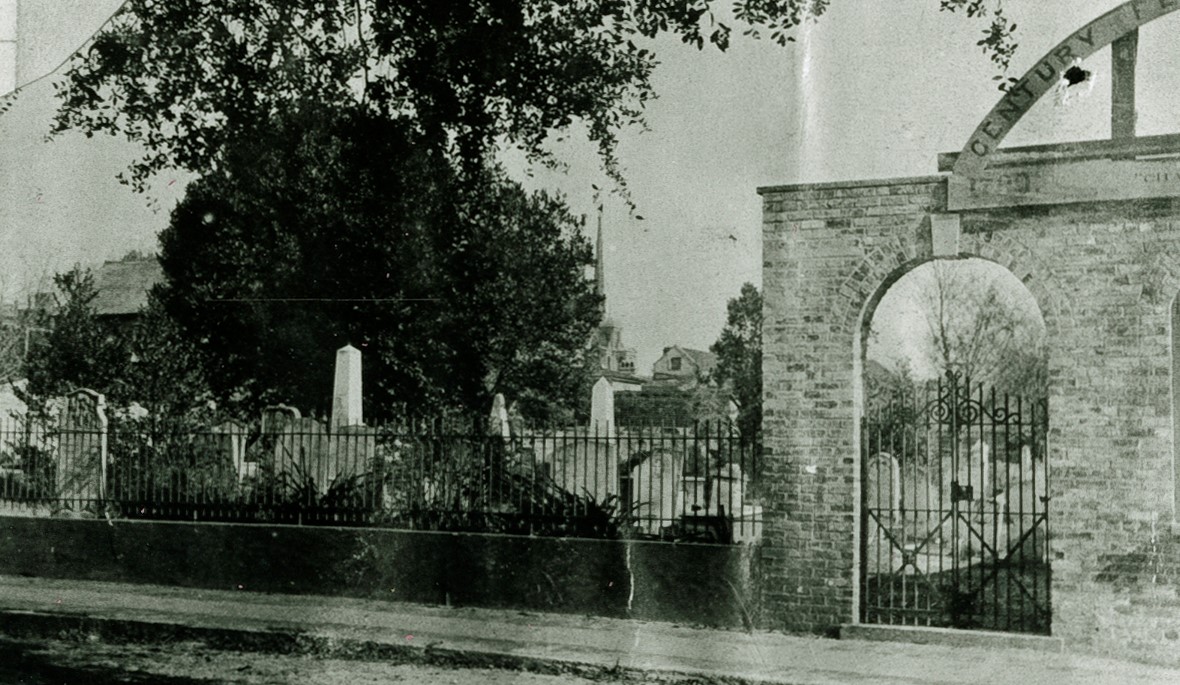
column 998, row 41
column 356, row 234
column 739, row 357
column 185, row 78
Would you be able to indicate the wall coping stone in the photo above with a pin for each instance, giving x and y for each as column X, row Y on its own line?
column 868, row 183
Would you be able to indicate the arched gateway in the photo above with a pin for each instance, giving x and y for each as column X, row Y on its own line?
column 954, row 520
column 1092, row 230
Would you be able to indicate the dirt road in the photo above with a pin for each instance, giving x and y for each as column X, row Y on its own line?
column 96, row 663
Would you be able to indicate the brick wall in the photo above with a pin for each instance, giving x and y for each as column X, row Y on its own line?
column 1109, row 274
column 827, row 249
column 1104, row 276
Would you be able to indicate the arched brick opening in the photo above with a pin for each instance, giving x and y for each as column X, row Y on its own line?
column 1002, row 251
column 885, row 266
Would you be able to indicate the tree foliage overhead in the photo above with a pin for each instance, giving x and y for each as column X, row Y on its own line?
column 187, row 78
column 76, row 352
column 739, row 357
column 337, row 228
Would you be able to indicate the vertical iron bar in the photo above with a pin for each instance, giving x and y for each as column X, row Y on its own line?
column 995, row 513
column 1043, row 565
column 1008, row 502
column 981, row 495
column 953, row 440
column 1032, row 406
column 864, row 518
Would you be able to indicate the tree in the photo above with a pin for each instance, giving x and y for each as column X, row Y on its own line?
column 739, row 357
column 977, row 328
column 187, row 79
column 454, row 289
column 77, row 352
column 972, row 318
column 146, row 362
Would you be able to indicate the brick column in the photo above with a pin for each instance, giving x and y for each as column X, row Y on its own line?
column 828, row 248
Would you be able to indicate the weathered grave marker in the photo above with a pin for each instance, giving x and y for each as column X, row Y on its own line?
column 347, row 397
column 82, row 448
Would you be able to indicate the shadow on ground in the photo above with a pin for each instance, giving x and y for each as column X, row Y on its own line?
column 23, row 663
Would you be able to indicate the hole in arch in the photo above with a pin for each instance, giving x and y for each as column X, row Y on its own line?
column 1075, row 75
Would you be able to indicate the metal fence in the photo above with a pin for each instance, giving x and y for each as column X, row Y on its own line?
column 690, row 483
column 955, row 515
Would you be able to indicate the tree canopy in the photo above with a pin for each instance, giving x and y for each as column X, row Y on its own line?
column 739, row 357
column 188, row 78
column 337, row 227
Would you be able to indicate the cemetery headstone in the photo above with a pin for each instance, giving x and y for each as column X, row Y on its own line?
column 602, row 408
column 655, row 489
column 586, row 465
column 82, row 459
column 230, row 439
column 498, row 420
column 346, row 392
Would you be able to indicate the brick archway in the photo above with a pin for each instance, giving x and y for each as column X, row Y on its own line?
column 1104, row 273
column 886, row 264
column 831, row 250
column 903, row 532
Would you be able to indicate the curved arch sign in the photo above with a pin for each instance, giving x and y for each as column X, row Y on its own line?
column 1024, row 93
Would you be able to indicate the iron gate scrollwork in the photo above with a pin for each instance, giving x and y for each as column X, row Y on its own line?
column 955, row 509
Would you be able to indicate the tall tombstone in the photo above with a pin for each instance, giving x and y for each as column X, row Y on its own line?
column 82, row 449
column 275, row 420
column 277, row 417
column 498, row 420
column 883, row 486
column 230, row 437
column 656, row 486
column 346, row 392
column 602, row 408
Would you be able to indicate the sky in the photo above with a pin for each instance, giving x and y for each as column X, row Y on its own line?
column 900, row 334
column 873, row 89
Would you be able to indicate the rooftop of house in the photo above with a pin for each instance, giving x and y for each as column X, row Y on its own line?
column 701, row 362
column 705, row 361
column 122, row 287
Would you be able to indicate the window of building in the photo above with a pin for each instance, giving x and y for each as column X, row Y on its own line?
column 674, row 363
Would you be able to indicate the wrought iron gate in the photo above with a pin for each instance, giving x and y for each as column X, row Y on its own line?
column 955, row 518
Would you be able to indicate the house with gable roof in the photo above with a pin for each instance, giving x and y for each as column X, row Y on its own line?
column 683, row 367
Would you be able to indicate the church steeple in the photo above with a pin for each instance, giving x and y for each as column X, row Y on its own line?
column 612, row 356
column 599, row 276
